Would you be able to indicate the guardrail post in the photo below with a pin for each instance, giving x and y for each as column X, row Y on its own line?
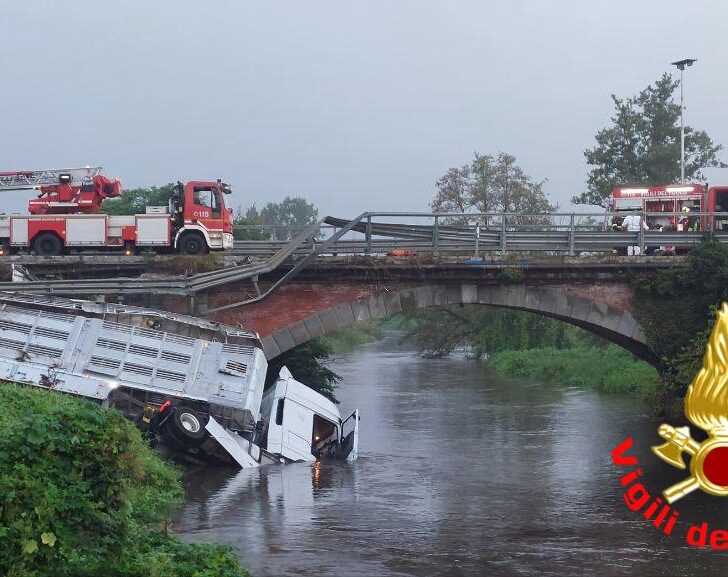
column 477, row 240
column 503, row 242
column 571, row 236
column 436, row 237
column 641, row 234
column 368, row 234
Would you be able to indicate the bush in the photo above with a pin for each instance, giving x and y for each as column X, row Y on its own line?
column 348, row 338
column 81, row 494
column 676, row 307
column 608, row 370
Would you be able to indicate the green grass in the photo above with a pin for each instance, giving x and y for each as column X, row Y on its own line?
column 608, row 370
column 347, row 339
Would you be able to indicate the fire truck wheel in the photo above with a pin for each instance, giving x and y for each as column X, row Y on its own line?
column 186, row 427
column 47, row 244
column 193, row 244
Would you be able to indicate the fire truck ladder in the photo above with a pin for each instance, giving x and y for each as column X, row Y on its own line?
column 33, row 179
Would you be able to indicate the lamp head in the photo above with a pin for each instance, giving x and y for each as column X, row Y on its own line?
column 681, row 64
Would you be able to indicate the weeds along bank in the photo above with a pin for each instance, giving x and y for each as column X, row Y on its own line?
column 609, row 369
column 517, row 344
column 82, row 494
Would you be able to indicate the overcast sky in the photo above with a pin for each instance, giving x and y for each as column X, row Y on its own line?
column 353, row 105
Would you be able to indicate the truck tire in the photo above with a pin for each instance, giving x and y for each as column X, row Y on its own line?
column 47, row 244
column 192, row 244
column 185, row 427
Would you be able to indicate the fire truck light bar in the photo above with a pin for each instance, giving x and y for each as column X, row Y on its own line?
column 680, row 188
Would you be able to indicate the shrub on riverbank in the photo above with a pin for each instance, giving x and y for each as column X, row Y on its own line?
column 347, row 339
column 676, row 308
column 610, row 369
column 81, row 494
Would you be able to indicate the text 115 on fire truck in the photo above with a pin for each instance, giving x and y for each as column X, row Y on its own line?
column 65, row 215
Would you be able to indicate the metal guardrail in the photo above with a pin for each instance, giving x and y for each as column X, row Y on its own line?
column 473, row 235
column 197, row 282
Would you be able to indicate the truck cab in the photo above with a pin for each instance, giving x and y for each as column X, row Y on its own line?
column 201, row 220
column 303, row 425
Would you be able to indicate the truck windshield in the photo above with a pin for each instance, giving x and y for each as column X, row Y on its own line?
column 325, row 436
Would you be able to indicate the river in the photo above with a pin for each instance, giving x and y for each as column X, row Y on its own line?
column 461, row 472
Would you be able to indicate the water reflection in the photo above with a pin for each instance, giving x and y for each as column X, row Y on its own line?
column 461, row 473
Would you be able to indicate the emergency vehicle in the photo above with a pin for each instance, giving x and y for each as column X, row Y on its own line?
column 670, row 207
column 66, row 215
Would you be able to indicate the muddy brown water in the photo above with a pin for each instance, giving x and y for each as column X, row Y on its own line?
column 461, row 472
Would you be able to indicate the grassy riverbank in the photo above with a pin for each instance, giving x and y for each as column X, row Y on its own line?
column 82, row 495
column 609, row 369
column 347, row 339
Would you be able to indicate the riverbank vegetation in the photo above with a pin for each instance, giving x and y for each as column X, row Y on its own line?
column 608, row 369
column 676, row 307
column 521, row 344
column 82, row 494
column 347, row 339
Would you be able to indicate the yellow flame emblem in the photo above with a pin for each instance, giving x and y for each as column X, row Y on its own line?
column 706, row 406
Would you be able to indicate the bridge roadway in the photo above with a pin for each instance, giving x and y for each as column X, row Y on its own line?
column 463, row 247
column 292, row 291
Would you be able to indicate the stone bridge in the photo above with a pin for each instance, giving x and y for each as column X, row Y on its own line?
column 323, row 299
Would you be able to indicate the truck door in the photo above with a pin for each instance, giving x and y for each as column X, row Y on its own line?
column 349, row 444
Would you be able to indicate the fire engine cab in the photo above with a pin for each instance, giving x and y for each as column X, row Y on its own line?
column 667, row 206
column 65, row 215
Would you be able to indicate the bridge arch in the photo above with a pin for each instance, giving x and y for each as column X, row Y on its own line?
column 616, row 324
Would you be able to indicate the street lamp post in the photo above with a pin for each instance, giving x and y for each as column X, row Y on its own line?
column 681, row 64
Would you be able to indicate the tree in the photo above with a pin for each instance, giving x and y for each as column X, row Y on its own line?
column 643, row 145
column 246, row 225
column 291, row 212
column 482, row 331
column 308, row 364
column 279, row 220
column 490, row 184
column 135, row 200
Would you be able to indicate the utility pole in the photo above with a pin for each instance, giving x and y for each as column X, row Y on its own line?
column 681, row 64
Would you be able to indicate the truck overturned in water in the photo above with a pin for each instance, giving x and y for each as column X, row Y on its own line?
column 196, row 385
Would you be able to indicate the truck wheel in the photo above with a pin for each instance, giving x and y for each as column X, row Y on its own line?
column 185, row 427
column 193, row 244
column 47, row 244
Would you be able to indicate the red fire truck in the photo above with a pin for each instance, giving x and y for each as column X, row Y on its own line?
column 668, row 206
column 65, row 215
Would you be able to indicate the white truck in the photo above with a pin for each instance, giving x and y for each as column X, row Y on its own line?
column 196, row 384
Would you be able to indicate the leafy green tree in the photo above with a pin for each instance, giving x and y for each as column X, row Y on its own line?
column 491, row 184
column 290, row 212
column 481, row 331
column 135, row 200
column 642, row 146
column 246, row 225
column 308, row 363
column 677, row 308
column 277, row 220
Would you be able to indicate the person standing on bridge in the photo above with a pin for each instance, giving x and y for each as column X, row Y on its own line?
column 632, row 223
